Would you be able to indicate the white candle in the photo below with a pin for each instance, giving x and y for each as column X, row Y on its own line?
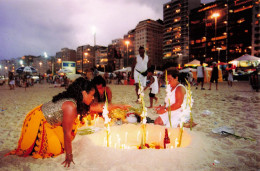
column 176, row 142
column 138, row 134
column 95, row 120
column 147, row 136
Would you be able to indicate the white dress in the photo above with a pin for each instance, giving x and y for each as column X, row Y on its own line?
column 177, row 114
column 141, row 66
column 230, row 77
column 155, row 86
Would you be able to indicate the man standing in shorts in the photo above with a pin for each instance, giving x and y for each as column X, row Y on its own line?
column 200, row 75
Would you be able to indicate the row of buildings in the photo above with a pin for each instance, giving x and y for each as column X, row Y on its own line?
column 218, row 31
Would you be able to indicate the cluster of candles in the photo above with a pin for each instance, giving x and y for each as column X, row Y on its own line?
column 120, row 141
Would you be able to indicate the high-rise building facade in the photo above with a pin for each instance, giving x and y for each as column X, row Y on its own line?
column 129, row 48
column 101, row 57
column 224, row 30
column 85, row 58
column 256, row 29
column 149, row 34
column 67, row 54
column 176, row 30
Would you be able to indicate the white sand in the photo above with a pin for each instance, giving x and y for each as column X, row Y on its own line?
column 237, row 107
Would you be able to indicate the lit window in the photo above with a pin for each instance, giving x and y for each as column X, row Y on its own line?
column 167, row 6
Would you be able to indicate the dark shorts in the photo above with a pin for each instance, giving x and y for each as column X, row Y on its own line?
column 212, row 79
column 200, row 79
column 151, row 95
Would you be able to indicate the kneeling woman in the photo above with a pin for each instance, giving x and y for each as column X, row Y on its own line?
column 177, row 97
column 49, row 128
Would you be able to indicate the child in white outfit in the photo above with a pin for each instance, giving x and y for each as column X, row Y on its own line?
column 154, row 86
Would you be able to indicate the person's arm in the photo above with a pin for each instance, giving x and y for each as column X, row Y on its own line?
column 69, row 115
column 150, row 83
column 133, row 67
column 203, row 71
column 179, row 96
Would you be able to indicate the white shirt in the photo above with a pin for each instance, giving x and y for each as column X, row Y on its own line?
column 154, row 86
column 200, row 73
column 141, row 64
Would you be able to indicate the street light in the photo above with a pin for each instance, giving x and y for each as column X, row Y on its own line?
column 215, row 15
column 59, row 61
column 219, row 48
column 127, row 43
column 21, row 62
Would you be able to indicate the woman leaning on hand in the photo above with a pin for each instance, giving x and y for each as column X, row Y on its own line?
column 49, row 128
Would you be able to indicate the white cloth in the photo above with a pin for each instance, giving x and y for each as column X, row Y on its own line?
column 230, row 77
column 177, row 114
column 155, row 86
column 12, row 82
column 141, row 66
column 200, row 73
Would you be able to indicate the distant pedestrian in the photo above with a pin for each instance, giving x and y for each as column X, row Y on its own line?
column 230, row 77
column 214, row 76
column 11, row 80
column 200, row 75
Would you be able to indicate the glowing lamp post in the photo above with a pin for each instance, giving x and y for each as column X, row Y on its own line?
column 59, row 61
column 127, row 43
column 215, row 15
column 219, row 48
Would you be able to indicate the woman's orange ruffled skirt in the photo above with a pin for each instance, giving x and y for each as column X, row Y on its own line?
column 39, row 139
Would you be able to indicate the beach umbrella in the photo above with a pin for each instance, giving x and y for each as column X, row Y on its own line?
column 186, row 70
column 64, row 71
column 27, row 69
column 195, row 62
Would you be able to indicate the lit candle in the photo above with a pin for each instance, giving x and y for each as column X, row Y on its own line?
column 176, row 142
column 95, row 120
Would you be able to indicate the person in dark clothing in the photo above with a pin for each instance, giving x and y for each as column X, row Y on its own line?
column 100, row 97
column 214, row 76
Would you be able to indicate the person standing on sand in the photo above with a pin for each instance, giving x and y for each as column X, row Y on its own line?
column 11, row 80
column 154, row 86
column 139, row 69
column 214, row 76
column 200, row 75
column 230, row 77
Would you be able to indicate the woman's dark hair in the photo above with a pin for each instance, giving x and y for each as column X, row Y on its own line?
column 75, row 91
column 99, row 80
column 173, row 72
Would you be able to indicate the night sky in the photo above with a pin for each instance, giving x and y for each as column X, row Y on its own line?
column 32, row 27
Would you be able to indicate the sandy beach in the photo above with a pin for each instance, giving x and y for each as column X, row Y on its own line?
column 237, row 107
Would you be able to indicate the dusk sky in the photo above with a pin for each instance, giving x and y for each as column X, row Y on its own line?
column 32, row 27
